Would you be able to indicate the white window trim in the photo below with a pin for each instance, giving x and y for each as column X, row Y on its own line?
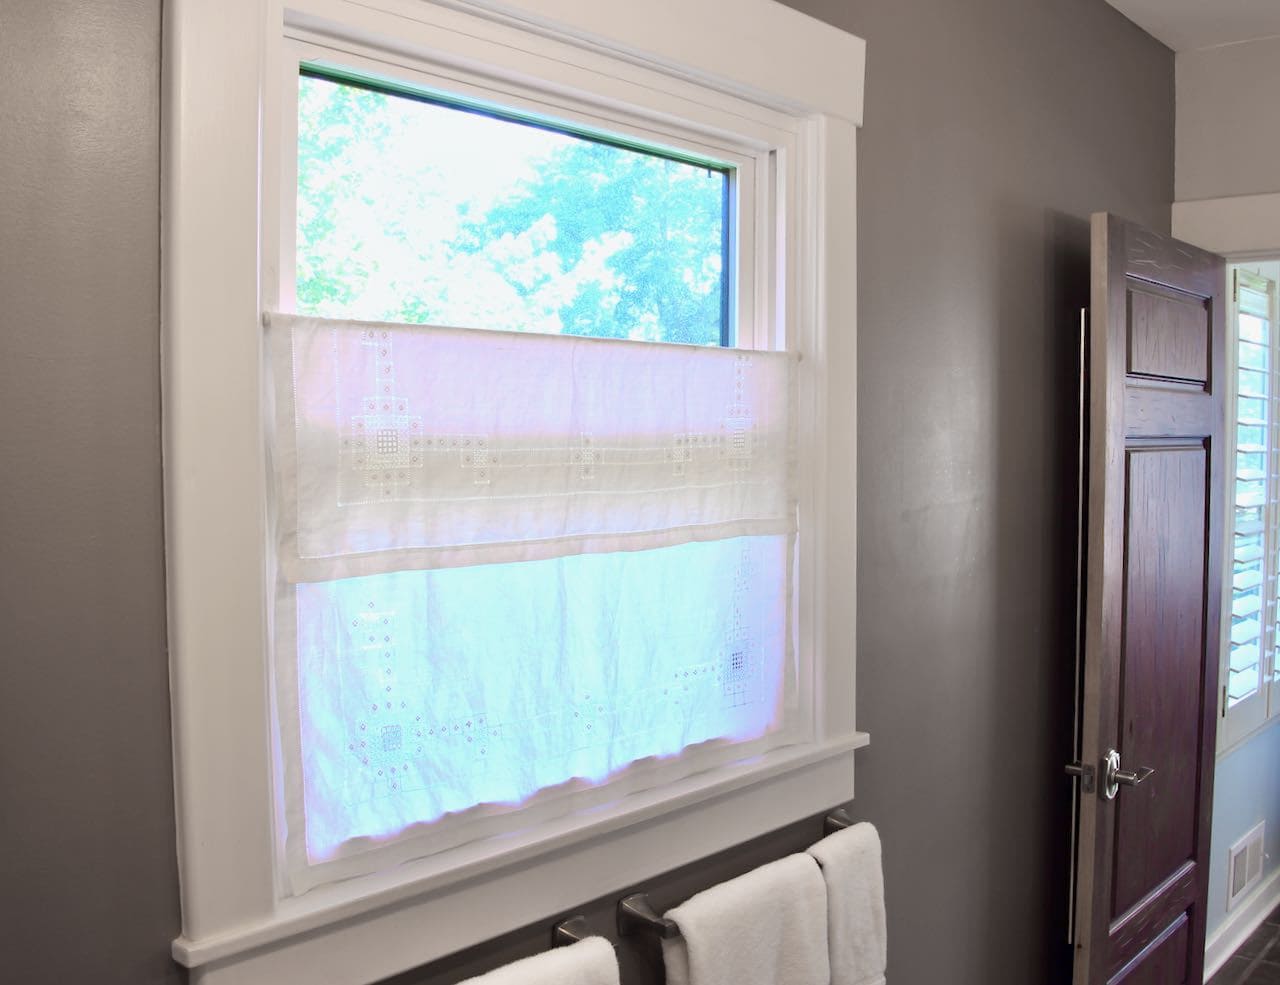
column 1241, row 228
column 221, row 65
column 1247, row 718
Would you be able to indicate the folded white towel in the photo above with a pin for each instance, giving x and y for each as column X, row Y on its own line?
column 589, row 962
column 768, row 927
column 851, row 866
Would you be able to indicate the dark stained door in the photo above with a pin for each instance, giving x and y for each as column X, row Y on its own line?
column 1153, row 595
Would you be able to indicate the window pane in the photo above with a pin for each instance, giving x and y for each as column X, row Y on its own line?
column 1252, row 410
column 1244, row 627
column 1242, row 684
column 1251, row 438
column 1250, row 465
column 1245, row 607
column 1253, row 328
column 1253, row 383
column 1250, row 492
column 1253, row 356
column 1247, row 575
column 413, row 211
column 1243, row 666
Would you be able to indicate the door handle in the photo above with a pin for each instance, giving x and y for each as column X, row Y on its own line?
column 1128, row 778
column 1113, row 777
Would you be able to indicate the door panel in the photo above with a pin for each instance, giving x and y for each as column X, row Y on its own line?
column 1168, row 333
column 1164, row 961
column 1164, row 644
column 1153, row 576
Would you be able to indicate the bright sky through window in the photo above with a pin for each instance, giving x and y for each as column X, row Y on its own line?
column 415, row 211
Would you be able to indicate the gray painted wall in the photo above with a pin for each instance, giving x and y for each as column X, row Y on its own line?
column 993, row 128
column 88, row 881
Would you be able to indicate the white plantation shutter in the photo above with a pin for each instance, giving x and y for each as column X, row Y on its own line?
column 1251, row 631
column 518, row 575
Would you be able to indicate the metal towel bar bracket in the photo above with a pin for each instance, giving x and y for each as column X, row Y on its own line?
column 636, row 915
column 837, row 820
column 569, row 931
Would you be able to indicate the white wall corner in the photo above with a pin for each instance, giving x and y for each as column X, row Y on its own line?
column 1242, row 227
column 1228, row 122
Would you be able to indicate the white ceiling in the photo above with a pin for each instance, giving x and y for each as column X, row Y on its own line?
column 1185, row 25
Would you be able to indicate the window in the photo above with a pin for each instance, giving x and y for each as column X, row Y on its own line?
column 515, row 572
column 758, row 140
column 1251, row 634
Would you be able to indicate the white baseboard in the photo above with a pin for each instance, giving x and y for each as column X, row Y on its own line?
column 1242, row 922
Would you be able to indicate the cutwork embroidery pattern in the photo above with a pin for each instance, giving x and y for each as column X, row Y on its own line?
column 395, row 745
column 381, row 447
column 388, row 455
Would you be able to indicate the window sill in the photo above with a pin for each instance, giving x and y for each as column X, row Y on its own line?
column 490, row 883
column 1242, row 740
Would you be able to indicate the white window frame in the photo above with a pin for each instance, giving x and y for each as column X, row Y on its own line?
column 1242, row 721
column 752, row 70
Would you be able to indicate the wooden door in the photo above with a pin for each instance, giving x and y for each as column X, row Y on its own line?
column 1154, row 568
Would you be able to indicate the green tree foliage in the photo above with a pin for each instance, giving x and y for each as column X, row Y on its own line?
column 332, row 121
column 417, row 213
column 657, row 223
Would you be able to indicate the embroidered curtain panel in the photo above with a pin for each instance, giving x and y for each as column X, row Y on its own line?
column 518, row 575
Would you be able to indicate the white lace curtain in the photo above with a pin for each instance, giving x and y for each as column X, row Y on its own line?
column 517, row 575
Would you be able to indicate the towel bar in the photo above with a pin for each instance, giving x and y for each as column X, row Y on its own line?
column 636, row 914
column 569, row 931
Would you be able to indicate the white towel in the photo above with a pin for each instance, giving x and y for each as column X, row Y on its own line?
column 589, row 962
column 768, row 927
column 851, row 866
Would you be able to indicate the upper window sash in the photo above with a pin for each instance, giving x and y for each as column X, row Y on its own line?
column 761, row 153
column 757, row 191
